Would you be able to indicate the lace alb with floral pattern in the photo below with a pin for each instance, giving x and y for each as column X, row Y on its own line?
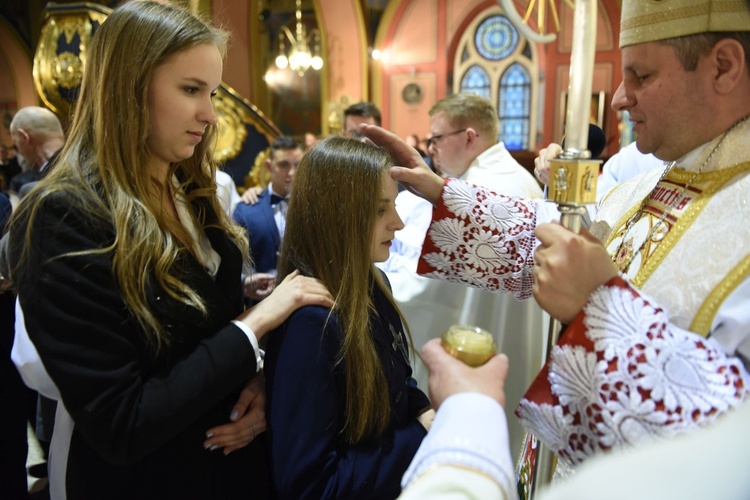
column 621, row 372
column 481, row 238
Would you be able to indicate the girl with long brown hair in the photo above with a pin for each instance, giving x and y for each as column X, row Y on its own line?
column 342, row 405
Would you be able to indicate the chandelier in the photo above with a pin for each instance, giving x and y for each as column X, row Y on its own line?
column 301, row 57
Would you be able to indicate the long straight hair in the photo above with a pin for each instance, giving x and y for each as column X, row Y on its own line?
column 104, row 165
column 329, row 226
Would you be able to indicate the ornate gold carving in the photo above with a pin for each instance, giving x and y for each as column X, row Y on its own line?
column 336, row 115
column 61, row 53
column 61, row 56
column 259, row 174
column 573, row 181
column 232, row 133
column 235, row 114
column 68, row 70
column 335, row 124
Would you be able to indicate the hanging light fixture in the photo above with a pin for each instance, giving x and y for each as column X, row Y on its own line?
column 301, row 57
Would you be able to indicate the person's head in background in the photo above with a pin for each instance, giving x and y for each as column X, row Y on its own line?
column 356, row 114
column 462, row 126
column 686, row 78
column 283, row 159
column 12, row 151
column 310, row 140
column 142, row 128
column 358, row 194
column 3, row 153
column 344, row 196
column 37, row 134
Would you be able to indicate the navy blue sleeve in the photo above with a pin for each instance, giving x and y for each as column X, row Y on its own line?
column 305, row 400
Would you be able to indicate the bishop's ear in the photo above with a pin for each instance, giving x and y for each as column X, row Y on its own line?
column 728, row 62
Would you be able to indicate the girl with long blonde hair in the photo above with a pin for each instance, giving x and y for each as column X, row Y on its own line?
column 128, row 273
column 342, row 405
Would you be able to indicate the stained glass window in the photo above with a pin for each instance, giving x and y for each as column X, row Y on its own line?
column 496, row 38
column 496, row 62
column 476, row 80
column 514, row 105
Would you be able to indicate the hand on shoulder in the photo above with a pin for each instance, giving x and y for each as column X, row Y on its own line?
column 294, row 292
column 251, row 195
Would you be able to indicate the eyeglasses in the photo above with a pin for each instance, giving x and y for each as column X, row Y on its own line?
column 435, row 139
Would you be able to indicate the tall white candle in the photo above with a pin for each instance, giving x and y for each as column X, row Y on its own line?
column 581, row 76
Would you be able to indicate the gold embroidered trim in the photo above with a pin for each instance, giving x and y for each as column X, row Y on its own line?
column 708, row 188
column 684, row 13
column 709, row 183
column 707, row 312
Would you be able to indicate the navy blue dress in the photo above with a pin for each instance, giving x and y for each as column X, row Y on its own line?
column 305, row 408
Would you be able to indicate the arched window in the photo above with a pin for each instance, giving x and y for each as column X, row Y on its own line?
column 496, row 62
column 513, row 107
column 477, row 81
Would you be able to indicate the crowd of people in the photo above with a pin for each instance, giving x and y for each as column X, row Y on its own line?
column 199, row 346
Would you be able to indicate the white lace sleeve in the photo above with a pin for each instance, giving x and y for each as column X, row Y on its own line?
column 623, row 373
column 481, row 238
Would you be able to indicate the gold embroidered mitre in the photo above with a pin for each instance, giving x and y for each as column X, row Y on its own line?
column 645, row 21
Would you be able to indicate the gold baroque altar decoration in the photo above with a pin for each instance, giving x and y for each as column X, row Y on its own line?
column 61, row 53
column 61, row 56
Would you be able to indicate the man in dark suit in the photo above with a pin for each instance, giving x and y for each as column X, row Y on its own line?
column 265, row 221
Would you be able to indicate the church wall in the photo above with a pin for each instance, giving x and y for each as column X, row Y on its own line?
column 16, row 82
